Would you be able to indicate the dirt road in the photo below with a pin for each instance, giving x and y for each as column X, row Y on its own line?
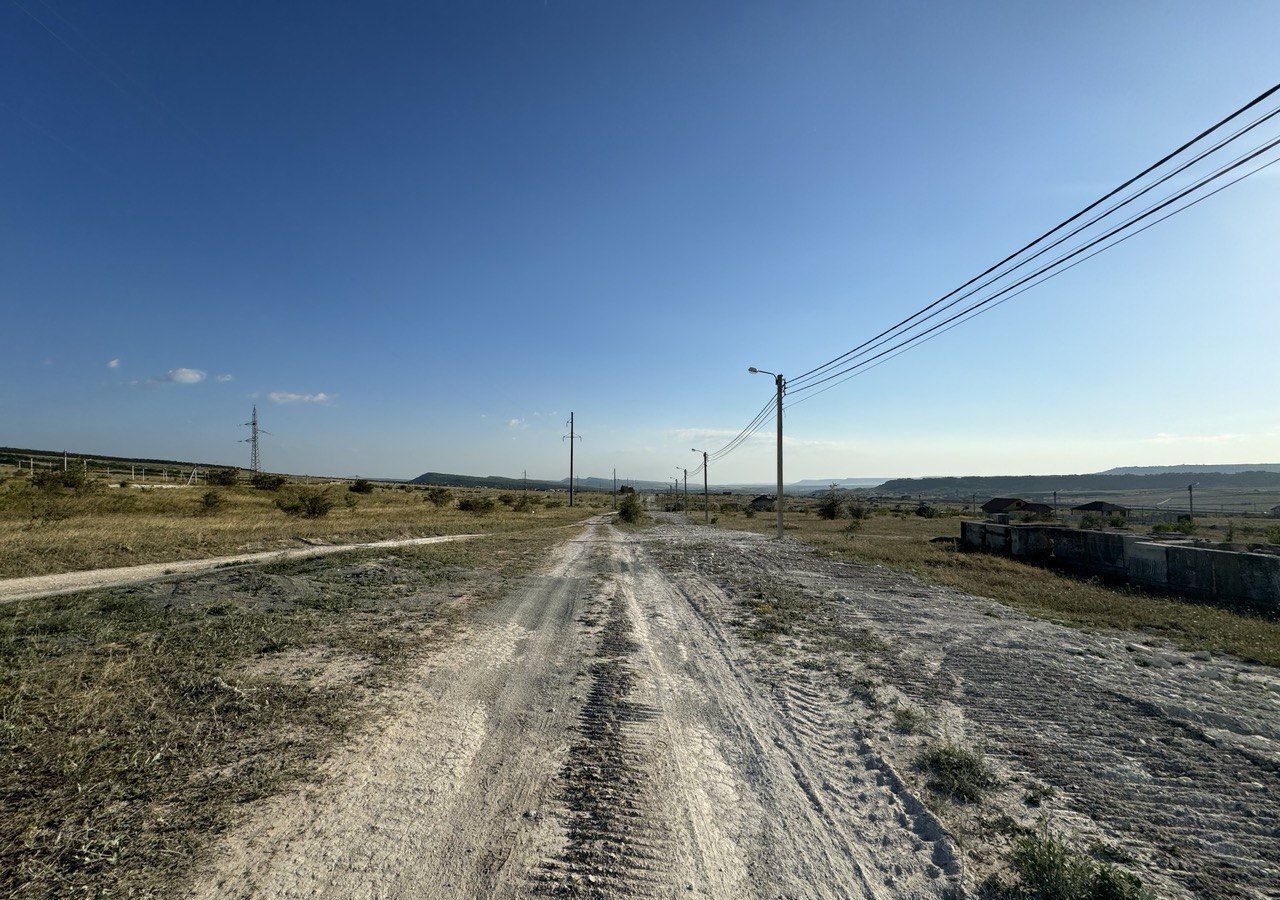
column 611, row 729
column 89, row 579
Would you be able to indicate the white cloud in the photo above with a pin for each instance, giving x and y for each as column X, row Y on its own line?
column 185, row 376
column 1166, row 438
column 290, row 397
column 515, row 423
column 225, row 378
column 113, row 364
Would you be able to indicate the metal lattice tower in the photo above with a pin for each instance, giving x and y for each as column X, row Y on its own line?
column 255, row 461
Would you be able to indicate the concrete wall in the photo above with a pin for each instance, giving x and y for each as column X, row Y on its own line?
column 1250, row 580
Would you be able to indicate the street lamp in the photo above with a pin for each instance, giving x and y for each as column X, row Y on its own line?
column 706, row 503
column 781, row 385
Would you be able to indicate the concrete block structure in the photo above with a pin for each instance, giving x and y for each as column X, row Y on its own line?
column 1243, row 580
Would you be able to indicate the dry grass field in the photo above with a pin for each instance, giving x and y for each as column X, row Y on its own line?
column 59, row 529
column 903, row 542
column 140, row 722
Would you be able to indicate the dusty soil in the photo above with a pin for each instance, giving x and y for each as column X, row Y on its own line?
column 630, row 724
column 89, row 579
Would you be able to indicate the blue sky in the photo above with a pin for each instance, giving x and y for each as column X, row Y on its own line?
column 418, row 234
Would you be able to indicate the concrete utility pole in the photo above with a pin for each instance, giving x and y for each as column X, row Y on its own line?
column 706, row 499
column 571, row 437
column 782, row 386
column 1191, row 498
column 686, row 489
column 615, row 488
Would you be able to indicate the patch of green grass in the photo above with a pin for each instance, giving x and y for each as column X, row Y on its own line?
column 1043, row 867
column 956, row 771
column 909, row 719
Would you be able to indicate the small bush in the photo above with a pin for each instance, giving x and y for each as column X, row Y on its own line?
column 222, row 477
column 507, row 499
column 56, row 479
column 629, row 509
column 1273, row 535
column 749, row 512
column 956, row 771
column 925, row 511
column 908, row 719
column 522, row 503
column 854, row 526
column 361, row 486
column 438, row 496
column 1045, row 868
column 309, row 504
column 830, row 507
column 1117, row 522
column 553, row 504
column 267, row 482
column 211, row 501
column 857, row 511
column 1087, row 522
column 478, row 505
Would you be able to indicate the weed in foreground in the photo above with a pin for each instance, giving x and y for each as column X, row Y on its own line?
column 956, row 771
column 1043, row 867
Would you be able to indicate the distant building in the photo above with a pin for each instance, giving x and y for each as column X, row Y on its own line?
column 1009, row 505
column 1275, row 512
column 761, row 503
column 1101, row 508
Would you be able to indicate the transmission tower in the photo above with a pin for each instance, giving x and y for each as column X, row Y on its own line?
column 255, row 460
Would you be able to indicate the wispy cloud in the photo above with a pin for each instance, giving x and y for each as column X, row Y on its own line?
column 516, row 423
column 225, row 378
column 113, row 364
column 290, row 397
column 185, row 376
column 1167, row 438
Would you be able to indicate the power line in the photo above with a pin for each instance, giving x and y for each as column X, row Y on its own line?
column 1151, row 210
column 1113, row 192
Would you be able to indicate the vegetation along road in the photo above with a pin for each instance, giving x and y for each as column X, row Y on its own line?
column 650, row 710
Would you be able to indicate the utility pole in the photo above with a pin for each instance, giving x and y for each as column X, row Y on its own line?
column 781, row 384
column 255, row 460
column 571, row 437
column 524, row 475
column 1191, row 498
column 64, row 460
column 615, row 487
column 706, row 498
column 686, row 490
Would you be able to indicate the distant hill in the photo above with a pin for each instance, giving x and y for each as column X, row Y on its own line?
column 588, row 483
column 838, row 482
column 1020, row 485
column 1230, row 469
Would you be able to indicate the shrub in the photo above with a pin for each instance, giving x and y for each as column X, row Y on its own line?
column 267, row 482
column 478, row 505
column 830, row 507
column 523, row 503
column 1273, row 535
column 1087, row 522
column 854, row 526
column 1045, row 868
column 749, row 512
column 55, row 479
column 309, row 504
column 1117, row 522
column 925, row 511
column 956, row 771
column 222, row 477
column 629, row 509
column 211, row 501
column 438, row 496
column 857, row 511
column 507, row 499
column 553, row 504
column 626, row 489
column 361, row 486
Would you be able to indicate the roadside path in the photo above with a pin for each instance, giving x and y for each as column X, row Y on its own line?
column 88, row 579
